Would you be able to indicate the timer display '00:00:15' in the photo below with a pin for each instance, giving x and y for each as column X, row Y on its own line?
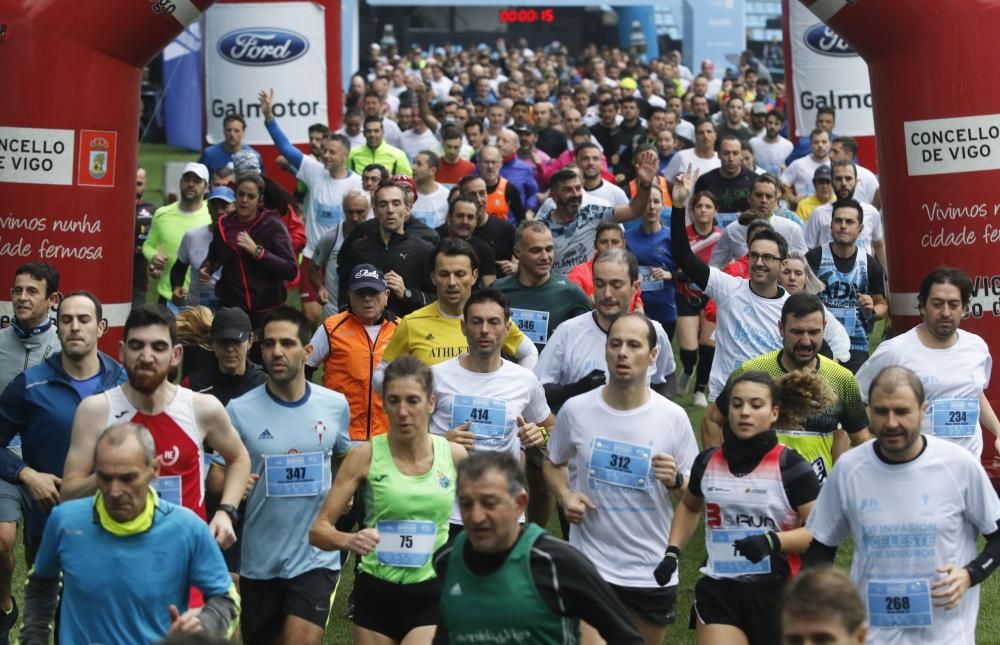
column 527, row 15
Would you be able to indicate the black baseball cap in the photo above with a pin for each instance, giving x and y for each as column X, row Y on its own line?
column 823, row 173
column 366, row 276
column 231, row 323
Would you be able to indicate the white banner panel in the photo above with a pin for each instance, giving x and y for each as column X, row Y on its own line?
column 827, row 72
column 250, row 47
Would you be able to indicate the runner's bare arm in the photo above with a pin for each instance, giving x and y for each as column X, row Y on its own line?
column 78, row 472
column 354, row 469
column 213, row 422
column 217, row 430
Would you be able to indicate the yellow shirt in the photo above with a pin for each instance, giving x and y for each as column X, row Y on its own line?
column 810, row 203
column 434, row 337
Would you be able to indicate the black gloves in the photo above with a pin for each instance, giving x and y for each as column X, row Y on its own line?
column 665, row 570
column 757, row 547
column 595, row 379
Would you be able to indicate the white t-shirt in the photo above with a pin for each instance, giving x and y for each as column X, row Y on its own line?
column 577, row 347
column 906, row 521
column 356, row 140
column 393, row 135
column 953, row 379
column 192, row 252
column 733, row 243
column 413, row 144
column 609, row 453
column 680, row 161
column 817, row 229
column 431, row 209
column 799, row 174
column 442, row 87
column 867, row 185
column 492, row 400
column 746, row 325
column 771, row 155
column 324, row 206
column 610, row 193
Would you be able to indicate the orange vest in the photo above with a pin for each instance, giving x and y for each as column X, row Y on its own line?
column 496, row 202
column 664, row 190
column 349, row 369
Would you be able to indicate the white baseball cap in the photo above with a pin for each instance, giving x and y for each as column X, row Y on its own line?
column 197, row 168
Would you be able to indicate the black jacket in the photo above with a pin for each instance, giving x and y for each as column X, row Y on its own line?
column 225, row 387
column 252, row 284
column 405, row 254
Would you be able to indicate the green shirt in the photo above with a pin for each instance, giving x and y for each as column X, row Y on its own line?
column 165, row 234
column 404, row 501
column 814, row 441
column 472, row 614
column 391, row 157
column 539, row 310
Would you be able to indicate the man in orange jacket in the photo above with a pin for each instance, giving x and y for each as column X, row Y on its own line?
column 349, row 346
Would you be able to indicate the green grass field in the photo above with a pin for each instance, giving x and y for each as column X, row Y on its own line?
column 338, row 632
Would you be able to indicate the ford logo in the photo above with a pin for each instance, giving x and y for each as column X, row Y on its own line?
column 261, row 46
column 824, row 40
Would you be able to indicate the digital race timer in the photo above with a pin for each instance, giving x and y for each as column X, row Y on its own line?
column 527, row 15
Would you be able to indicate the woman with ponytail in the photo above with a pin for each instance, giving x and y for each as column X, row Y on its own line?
column 757, row 495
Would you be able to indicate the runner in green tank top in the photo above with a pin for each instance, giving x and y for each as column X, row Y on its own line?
column 409, row 477
column 547, row 587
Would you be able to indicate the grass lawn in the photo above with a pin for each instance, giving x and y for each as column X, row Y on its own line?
column 338, row 632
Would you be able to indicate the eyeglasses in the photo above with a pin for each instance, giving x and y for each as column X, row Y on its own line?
column 767, row 258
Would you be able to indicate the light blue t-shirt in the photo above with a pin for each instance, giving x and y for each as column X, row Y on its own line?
column 119, row 589
column 292, row 447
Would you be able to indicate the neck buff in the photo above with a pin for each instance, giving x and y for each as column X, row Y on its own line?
column 138, row 524
column 743, row 455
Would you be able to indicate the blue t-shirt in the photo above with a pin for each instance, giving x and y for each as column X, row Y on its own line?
column 87, row 386
column 217, row 156
column 654, row 251
column 292, row 447
column 119, row 589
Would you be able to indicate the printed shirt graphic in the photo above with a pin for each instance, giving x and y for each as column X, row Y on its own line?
column 906, row 521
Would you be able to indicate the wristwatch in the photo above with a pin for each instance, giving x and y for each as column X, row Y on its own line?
column 408, row 294
column 678, row 481
column 231, row 511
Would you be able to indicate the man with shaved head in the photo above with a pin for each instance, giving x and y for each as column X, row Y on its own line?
column 516, row 171
column 914, row 505
column 503, row 199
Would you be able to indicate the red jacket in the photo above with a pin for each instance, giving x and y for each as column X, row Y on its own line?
column 297, row 232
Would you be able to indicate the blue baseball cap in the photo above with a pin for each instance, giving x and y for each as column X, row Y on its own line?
column 366, row 276
column 225, row 193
